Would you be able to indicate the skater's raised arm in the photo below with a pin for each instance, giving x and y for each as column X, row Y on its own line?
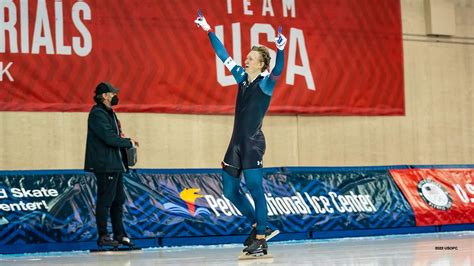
column 268, row 84
column 236, row 70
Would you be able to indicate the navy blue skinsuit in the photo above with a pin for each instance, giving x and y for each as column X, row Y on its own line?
column 247, row 145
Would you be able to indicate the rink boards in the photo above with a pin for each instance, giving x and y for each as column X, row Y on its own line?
column 54, row 210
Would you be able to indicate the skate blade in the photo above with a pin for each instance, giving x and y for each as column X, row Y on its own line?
column 267, row 238
column 272, row 235
column 245, row 256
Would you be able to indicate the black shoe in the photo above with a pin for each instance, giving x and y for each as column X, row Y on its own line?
column 107, row 241
column 257, row 247
column 125, row 241
column 253, row 235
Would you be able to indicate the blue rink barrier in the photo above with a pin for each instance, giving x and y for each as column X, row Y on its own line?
column 53, row 210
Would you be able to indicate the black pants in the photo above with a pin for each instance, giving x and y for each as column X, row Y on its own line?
column 110, row 199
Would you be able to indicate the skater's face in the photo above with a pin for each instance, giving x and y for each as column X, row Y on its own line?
column 253, row 63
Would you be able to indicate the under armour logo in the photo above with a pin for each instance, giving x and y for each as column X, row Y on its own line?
column 259, row 162
column 111, row 177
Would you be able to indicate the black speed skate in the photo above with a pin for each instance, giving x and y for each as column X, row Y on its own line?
column 258, row 249
column 269, row 234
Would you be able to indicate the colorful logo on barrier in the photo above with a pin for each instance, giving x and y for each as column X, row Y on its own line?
column 434, row 194
column 189, row 195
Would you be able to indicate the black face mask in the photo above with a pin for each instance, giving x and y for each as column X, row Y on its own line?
column 114, row 101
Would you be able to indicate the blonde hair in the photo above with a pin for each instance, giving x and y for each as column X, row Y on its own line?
column 265, row 56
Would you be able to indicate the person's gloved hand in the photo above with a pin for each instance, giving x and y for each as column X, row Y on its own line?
column 201, row 22
column 280, row 40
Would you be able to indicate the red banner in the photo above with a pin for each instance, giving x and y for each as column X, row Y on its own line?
column 342, row 57
column 438, row 196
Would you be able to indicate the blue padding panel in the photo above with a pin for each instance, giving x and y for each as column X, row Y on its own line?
column 47, row 247
column 214, row 240
column 292, row 236
column 456, row 227
column 373, row 232
column 208, row 240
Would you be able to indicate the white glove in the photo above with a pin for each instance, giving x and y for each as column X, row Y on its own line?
column 280, row 40
column 201, row 22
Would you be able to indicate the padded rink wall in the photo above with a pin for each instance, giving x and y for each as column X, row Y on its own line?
column 54, row 210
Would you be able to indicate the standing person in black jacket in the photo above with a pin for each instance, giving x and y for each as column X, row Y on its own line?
column 107, row 159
